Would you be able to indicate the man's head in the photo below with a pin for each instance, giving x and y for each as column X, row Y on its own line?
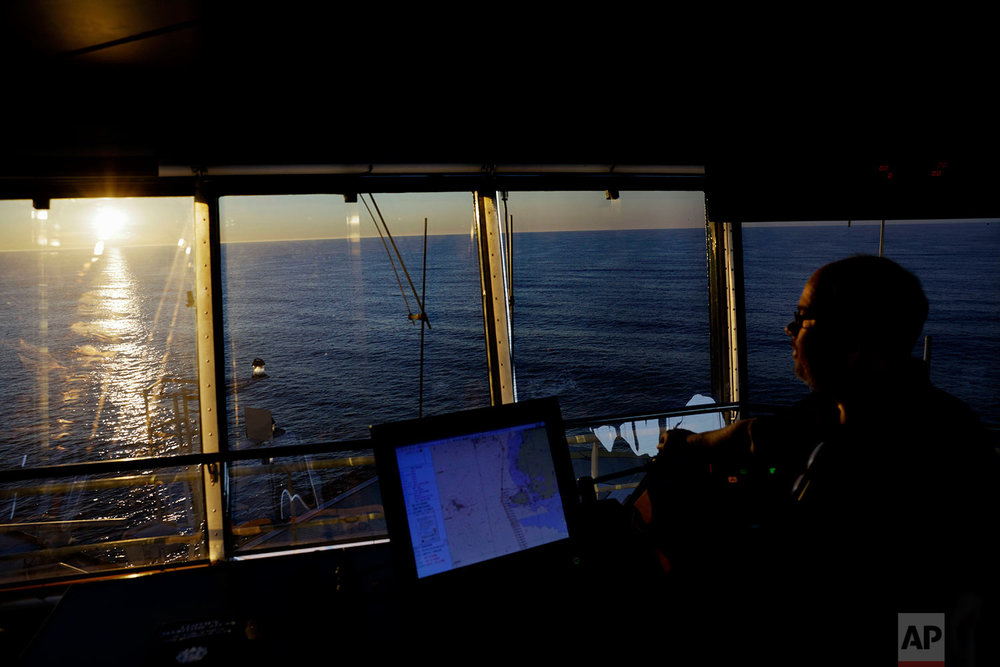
column 857, row 318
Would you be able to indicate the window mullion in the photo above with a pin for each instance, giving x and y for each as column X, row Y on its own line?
column 493, row 276
column 208, row 303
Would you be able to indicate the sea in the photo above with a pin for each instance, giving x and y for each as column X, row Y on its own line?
column 98, row 352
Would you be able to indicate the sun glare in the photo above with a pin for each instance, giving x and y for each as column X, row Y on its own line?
column 109, row 223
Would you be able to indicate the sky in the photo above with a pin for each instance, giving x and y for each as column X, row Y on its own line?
column 81, row 223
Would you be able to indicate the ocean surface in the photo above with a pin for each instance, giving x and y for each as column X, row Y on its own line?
column 98, row 351
column 958, row 265
column 98, row 354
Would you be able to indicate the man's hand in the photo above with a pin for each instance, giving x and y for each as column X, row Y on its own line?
column 731, row 443
column 677, row 437
column 679, row 448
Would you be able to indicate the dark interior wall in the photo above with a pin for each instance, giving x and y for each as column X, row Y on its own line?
column 842, row 123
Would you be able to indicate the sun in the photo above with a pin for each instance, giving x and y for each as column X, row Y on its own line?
column 109, row 223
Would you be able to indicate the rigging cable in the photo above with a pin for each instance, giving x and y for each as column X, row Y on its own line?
column 509, row 256
column 423, row 320
column 389, row 254
column 422, row 315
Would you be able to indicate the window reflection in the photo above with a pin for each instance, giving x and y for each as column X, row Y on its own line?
column 305, row 501
column 97, row 351
column 95, row 325
column 93, row 524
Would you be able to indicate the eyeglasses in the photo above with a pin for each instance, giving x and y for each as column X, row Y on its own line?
column 795, row 325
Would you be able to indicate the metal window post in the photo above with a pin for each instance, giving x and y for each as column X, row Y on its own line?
column 493, row 279
column 208, row 301
column 727, row 311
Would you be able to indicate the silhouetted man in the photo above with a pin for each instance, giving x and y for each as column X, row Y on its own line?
column 890, row 482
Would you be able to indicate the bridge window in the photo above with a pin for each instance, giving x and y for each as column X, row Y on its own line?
column 610, row 300
column 97, row 350
column 334, row 318
column 324, row 336
column 955, row 261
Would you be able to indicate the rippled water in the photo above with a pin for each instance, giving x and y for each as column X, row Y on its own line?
column 98, row 352
column 609, row 321
column 83, row 341
column 958, row 265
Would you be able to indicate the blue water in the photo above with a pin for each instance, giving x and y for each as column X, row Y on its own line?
column 957, row 263
column 611, row 322
column 341, row 353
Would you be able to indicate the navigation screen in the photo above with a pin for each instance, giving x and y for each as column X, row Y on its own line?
column 472, row 498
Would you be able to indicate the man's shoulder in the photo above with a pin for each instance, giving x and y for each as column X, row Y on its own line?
column 932, row 409
column 940, row 408
column 950, row 433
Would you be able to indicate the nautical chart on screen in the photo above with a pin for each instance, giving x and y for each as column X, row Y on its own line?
column 476, row 497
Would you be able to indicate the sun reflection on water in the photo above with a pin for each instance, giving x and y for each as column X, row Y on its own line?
column 126, row 357
column 117, row 329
